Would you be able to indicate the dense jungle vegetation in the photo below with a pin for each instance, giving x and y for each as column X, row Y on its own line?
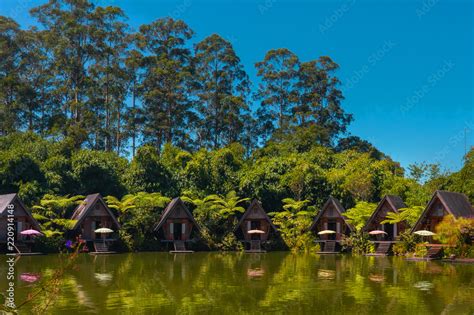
column 87, row 104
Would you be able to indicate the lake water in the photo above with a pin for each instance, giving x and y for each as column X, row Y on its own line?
column 238, row 283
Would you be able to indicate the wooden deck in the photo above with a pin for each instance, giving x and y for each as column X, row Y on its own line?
column 382, row 249
column 180, row 248
column 329, row 248
column 255, row 247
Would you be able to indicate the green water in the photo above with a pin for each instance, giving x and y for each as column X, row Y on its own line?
column 231, row 283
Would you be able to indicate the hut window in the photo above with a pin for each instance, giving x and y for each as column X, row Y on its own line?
column 338, row 227
column 249, row 225
column 171, row 228
column 183, row 228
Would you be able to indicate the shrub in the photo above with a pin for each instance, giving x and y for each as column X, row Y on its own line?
column 359, row 242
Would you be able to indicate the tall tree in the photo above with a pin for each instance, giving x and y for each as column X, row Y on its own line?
column 108, row 75
column 166, row 82
column 9, row 80
column 134, row 114
column 319, row 98
column 68, row 28
column 221, row 87
column 37, row 106
column 278, row 73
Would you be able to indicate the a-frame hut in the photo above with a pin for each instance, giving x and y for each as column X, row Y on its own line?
column 331, row 217
column 442, row 204
column 389, row 203
column 92, row 214
column 255, row 219
column 11, row 206
column 177, row 224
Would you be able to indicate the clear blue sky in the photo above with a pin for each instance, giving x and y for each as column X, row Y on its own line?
column 406, row 66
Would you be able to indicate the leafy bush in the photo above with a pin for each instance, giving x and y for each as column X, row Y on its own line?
column 358, row 242
column 457, row 233
column 406, row 244
column 49, row 245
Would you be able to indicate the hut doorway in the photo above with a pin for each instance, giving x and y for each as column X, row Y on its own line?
column 255, row 225
column 177, row 231
column 332, row 225
column 389, row 229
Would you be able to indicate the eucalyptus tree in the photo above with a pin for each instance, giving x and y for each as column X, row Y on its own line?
column 108, row 76
column 319, row 98
column 134, row 114
column 37, row 107
column 277, row 92
column 68, row 31
column 221, row 87
column 9, row 80
column 166, row 82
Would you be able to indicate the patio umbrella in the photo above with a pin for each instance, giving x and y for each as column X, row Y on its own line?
column 31, row 232
column 326, row 232
column 424, row 233
column 256, row 232
column 377, row 232
column 104, row 231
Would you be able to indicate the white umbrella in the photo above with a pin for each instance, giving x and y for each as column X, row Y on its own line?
column 377, row 232
column 424, row 233
column 104, row 231
column 256, row 232
column 326, row 232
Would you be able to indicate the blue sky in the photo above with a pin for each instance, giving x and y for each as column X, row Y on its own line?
column 406, row 66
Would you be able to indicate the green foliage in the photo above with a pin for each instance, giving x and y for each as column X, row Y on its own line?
column 457, row 233
column 406, row 244
column 138, row 215
column 410, row 215
column 148, row 174
column 97, row 171
column 52, row 213
column 216, row 215
column 293, row 223
column 359, row 214
column 359, row 242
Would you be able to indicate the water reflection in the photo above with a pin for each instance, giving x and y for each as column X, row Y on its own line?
column 218, row 283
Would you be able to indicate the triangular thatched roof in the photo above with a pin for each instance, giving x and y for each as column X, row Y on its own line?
column 339, row 208
column 174, row 204
column 82, row 210
column 395, row 203
column 255, row 204
column 454, row 203
column 7, row 199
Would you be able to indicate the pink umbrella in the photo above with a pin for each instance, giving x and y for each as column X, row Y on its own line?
column 30, row 277
column 31, row 232
column 377, row 232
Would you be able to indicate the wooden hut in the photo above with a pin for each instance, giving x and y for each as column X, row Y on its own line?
column 255, row 219
column 331, row 218
column 92, row 214
column 10, row 204
column 389, row 203
column 442, row 204
column 177, row 225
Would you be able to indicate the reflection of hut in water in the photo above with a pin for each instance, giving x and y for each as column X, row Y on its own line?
column 255, row 227
column 389, row 203
column 177, row 225
column 443, row 203
column 10, row 204
column 332, row 223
